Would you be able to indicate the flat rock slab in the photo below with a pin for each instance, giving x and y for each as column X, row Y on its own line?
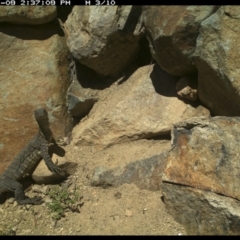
column 145, row 173
column 202, row 212
column 144, row 106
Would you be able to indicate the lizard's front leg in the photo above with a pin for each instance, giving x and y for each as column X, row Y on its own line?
column 48, row 161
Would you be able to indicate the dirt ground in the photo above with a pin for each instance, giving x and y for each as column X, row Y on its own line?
column 125, row 210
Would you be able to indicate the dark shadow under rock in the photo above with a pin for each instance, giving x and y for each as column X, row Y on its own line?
column 144, row 56
column 63, row 12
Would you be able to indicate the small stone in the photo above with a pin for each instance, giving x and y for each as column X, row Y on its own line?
column 48, row 200
column 15, row 204
column 128, row 213
column 11, row 200
column 40, row 189
column 27, row 206
column 118, row 195
column 14, row 229
column 6, row 204
column 186, row 88
column 27, row 231
column 144, row 210
column 115, row 217
column 54, row 224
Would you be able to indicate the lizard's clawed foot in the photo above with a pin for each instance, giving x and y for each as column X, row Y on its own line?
column 58, row 170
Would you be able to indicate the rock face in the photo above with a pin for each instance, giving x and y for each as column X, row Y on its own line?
column 145, row 173
column 172, row 32
column 29, row 15
column 81, row 94
column 204, row 157
column 144, row 106
column 33, row 74
column 79, row 105
column 202, row 212
column 217, row 61
column 104, row 39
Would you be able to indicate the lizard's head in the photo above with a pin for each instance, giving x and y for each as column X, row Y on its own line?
column 41, row 114
column 41, row 117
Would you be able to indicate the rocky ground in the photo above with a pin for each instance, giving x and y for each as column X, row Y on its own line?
column 122, row 210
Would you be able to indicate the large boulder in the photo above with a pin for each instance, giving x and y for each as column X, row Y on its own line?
column 202, row 212
column 204, row 157
column 217, row 61
column 104, row 38
column 144, row 106
column 172, row 32
column 33, row 74
column 29, row 15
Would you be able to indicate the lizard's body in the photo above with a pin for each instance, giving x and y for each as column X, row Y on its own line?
column 28, row 159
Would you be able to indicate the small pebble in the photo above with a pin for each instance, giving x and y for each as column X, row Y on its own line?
column 11, row 200
column 118, row 195
column 128, row 213
column 27, row 206
column 144, row 210
column 48, row 200
column 14, row 229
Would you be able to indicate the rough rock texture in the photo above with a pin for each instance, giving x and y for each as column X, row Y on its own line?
column 33, row 74
column 108, row 43
column 217, row 60
column 187, row 88
column 145, row 173
column 202, row 212
column 204, row 156
column 144, row 106
column 29, row 15
column 172, row 33
column 82, row 93
column 79, row 106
